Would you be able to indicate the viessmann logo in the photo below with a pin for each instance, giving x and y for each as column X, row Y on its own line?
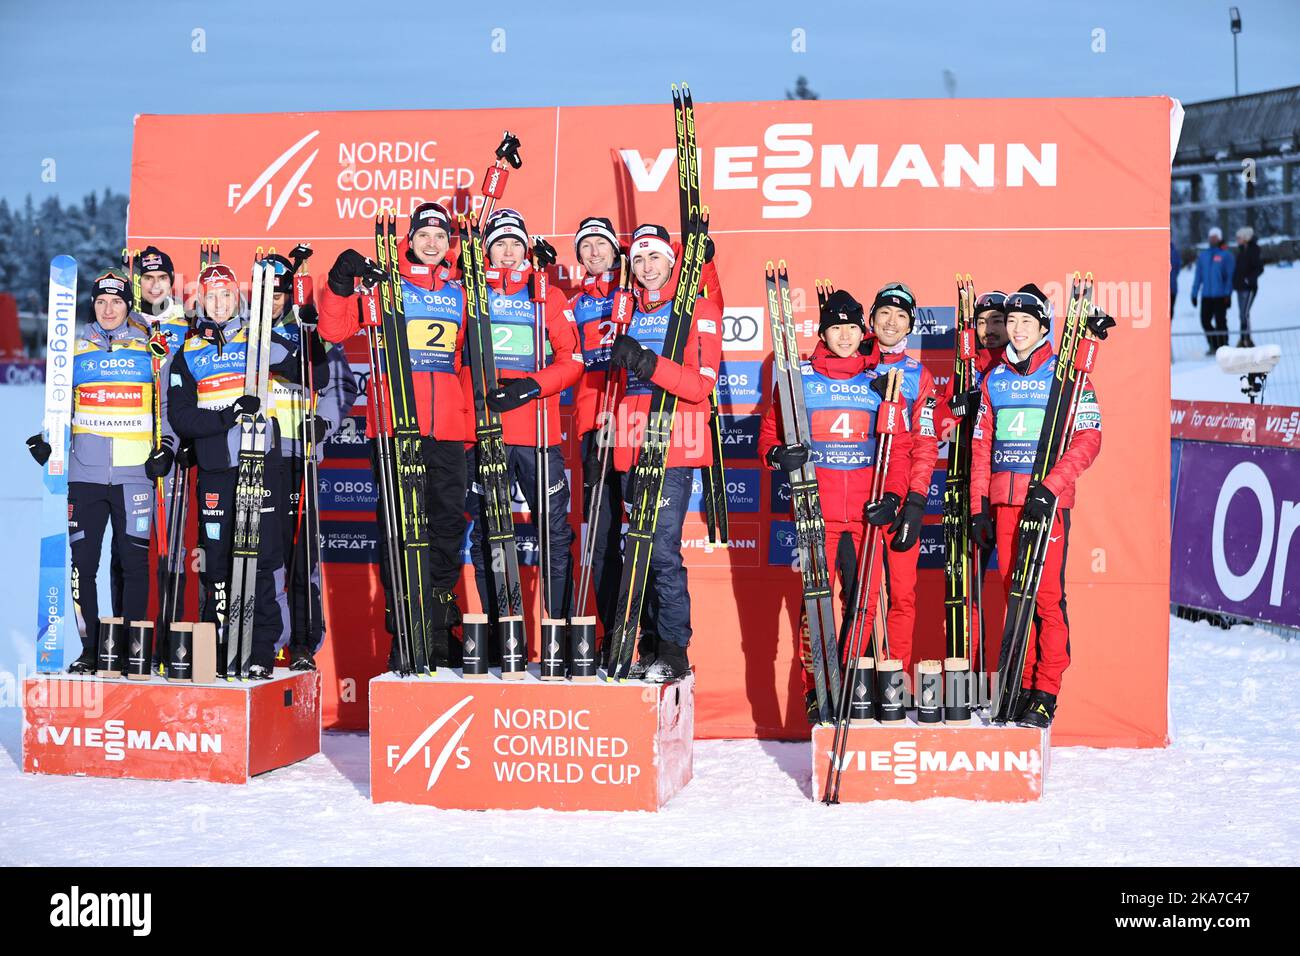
column 906, row 762
column 115, row 739
column 789, row 167
column 275, row 196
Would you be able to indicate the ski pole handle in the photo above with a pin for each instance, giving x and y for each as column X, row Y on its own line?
column 494, row 181
column 302, row 289
column 369, row 302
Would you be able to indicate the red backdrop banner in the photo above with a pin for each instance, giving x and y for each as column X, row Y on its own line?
column 860, row 192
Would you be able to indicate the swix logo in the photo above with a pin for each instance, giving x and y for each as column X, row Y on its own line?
column 239, row 197
column 115, row 739
column 905, row 762
column 422, row 751
column 789, row 167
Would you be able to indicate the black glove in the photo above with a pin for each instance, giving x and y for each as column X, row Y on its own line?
column 1193, row 302
column 788, row 457
column 867, row 345
column 981, row 527
column 592, row 473
column 880, row 385
column 630, row 354
column 964, row 403
column 883, row 511
column 40, row 449
column 906, row 527
column 1040, row 503
column 243, row 405
column 159, row 464
column 185, row 455
column 318, row 429
column 709, row 249
column 513, row 394
column 307, row 316
column 319, row 352
column 352, row 265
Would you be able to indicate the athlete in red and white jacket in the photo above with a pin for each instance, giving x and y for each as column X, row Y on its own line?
column 893, row 314
column 842, row 408
column 521, row 383
column 638, row 354
column 434, row 305
column 1004, row 443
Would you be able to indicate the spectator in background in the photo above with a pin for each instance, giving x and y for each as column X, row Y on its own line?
column 1175, row 263
column 1245, row 279
column 1213, row 283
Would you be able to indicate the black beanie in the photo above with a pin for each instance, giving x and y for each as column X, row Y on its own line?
column 429, row 214
column 111, row 283
column 154, row 259
column 1029, row 298
column 899, row 296
column 598, row 226
column 283, row 273
column 841, row 309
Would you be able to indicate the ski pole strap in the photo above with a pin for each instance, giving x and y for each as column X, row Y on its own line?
column 509, row 150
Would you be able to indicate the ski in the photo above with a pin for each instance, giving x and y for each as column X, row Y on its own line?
column 250, row 485
column 308, row 522
column 713, row 479
column 647, row 477
column 60, row 339
column 810, row 527
column 1075, row 359
column 407, row 476
column 963, row 607
column 493, row 479
column 890, row 418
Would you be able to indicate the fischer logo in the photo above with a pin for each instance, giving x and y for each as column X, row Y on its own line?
column 115, row 739
column 789, row 167
column 905, row 762
column 293, row 189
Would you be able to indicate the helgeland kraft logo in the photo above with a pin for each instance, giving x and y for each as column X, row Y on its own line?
column 905, row 762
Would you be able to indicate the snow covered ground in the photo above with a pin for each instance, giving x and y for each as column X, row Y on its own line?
column 1221, row 794
column 1194, row 375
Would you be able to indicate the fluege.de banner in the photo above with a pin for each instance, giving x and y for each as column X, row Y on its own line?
column 858, row 192
column 1246, row 500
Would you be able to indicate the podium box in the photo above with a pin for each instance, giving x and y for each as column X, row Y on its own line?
column 910, row 761
column 224, row 732
column 493, row 744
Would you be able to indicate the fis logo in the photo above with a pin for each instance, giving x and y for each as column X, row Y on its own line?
column 293, row 189
column 421, row 750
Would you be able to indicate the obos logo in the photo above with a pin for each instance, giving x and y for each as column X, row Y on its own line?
column 421, row 750
column 782, row 544
column 739, row 383
column 742, row 330
column 239, row 197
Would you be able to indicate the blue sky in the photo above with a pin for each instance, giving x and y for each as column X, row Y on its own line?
column 71, row 78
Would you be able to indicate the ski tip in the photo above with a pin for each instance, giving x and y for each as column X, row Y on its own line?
column 64, row 265
column 781, row 265
column 769, row 266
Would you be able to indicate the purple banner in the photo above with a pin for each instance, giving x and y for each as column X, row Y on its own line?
column 1236, row 530
column 22, row 372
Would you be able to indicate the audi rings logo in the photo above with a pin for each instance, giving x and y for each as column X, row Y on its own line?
column 742, row 330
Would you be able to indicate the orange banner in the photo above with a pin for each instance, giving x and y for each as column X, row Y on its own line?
column 860, row 192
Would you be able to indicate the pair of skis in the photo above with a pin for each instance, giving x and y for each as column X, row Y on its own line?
column 1075, row 358
column 647, row 478
column 963, row 593
column 400, row 472
column 713, row 479
column 52, row 596
column 308, row 523
column 810, row 526
column 890, row 419
column 250, row 483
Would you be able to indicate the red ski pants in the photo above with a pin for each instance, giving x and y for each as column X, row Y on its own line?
column 1047, row 653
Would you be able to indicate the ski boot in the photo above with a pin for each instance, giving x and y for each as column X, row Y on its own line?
column 303, row 659
column 1019, row 705
column 670, row 664
column 811, row 706
column 1041, row 710
column 85, row 664
column 646, row 654
column 259, row 672
column 1246, row 342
